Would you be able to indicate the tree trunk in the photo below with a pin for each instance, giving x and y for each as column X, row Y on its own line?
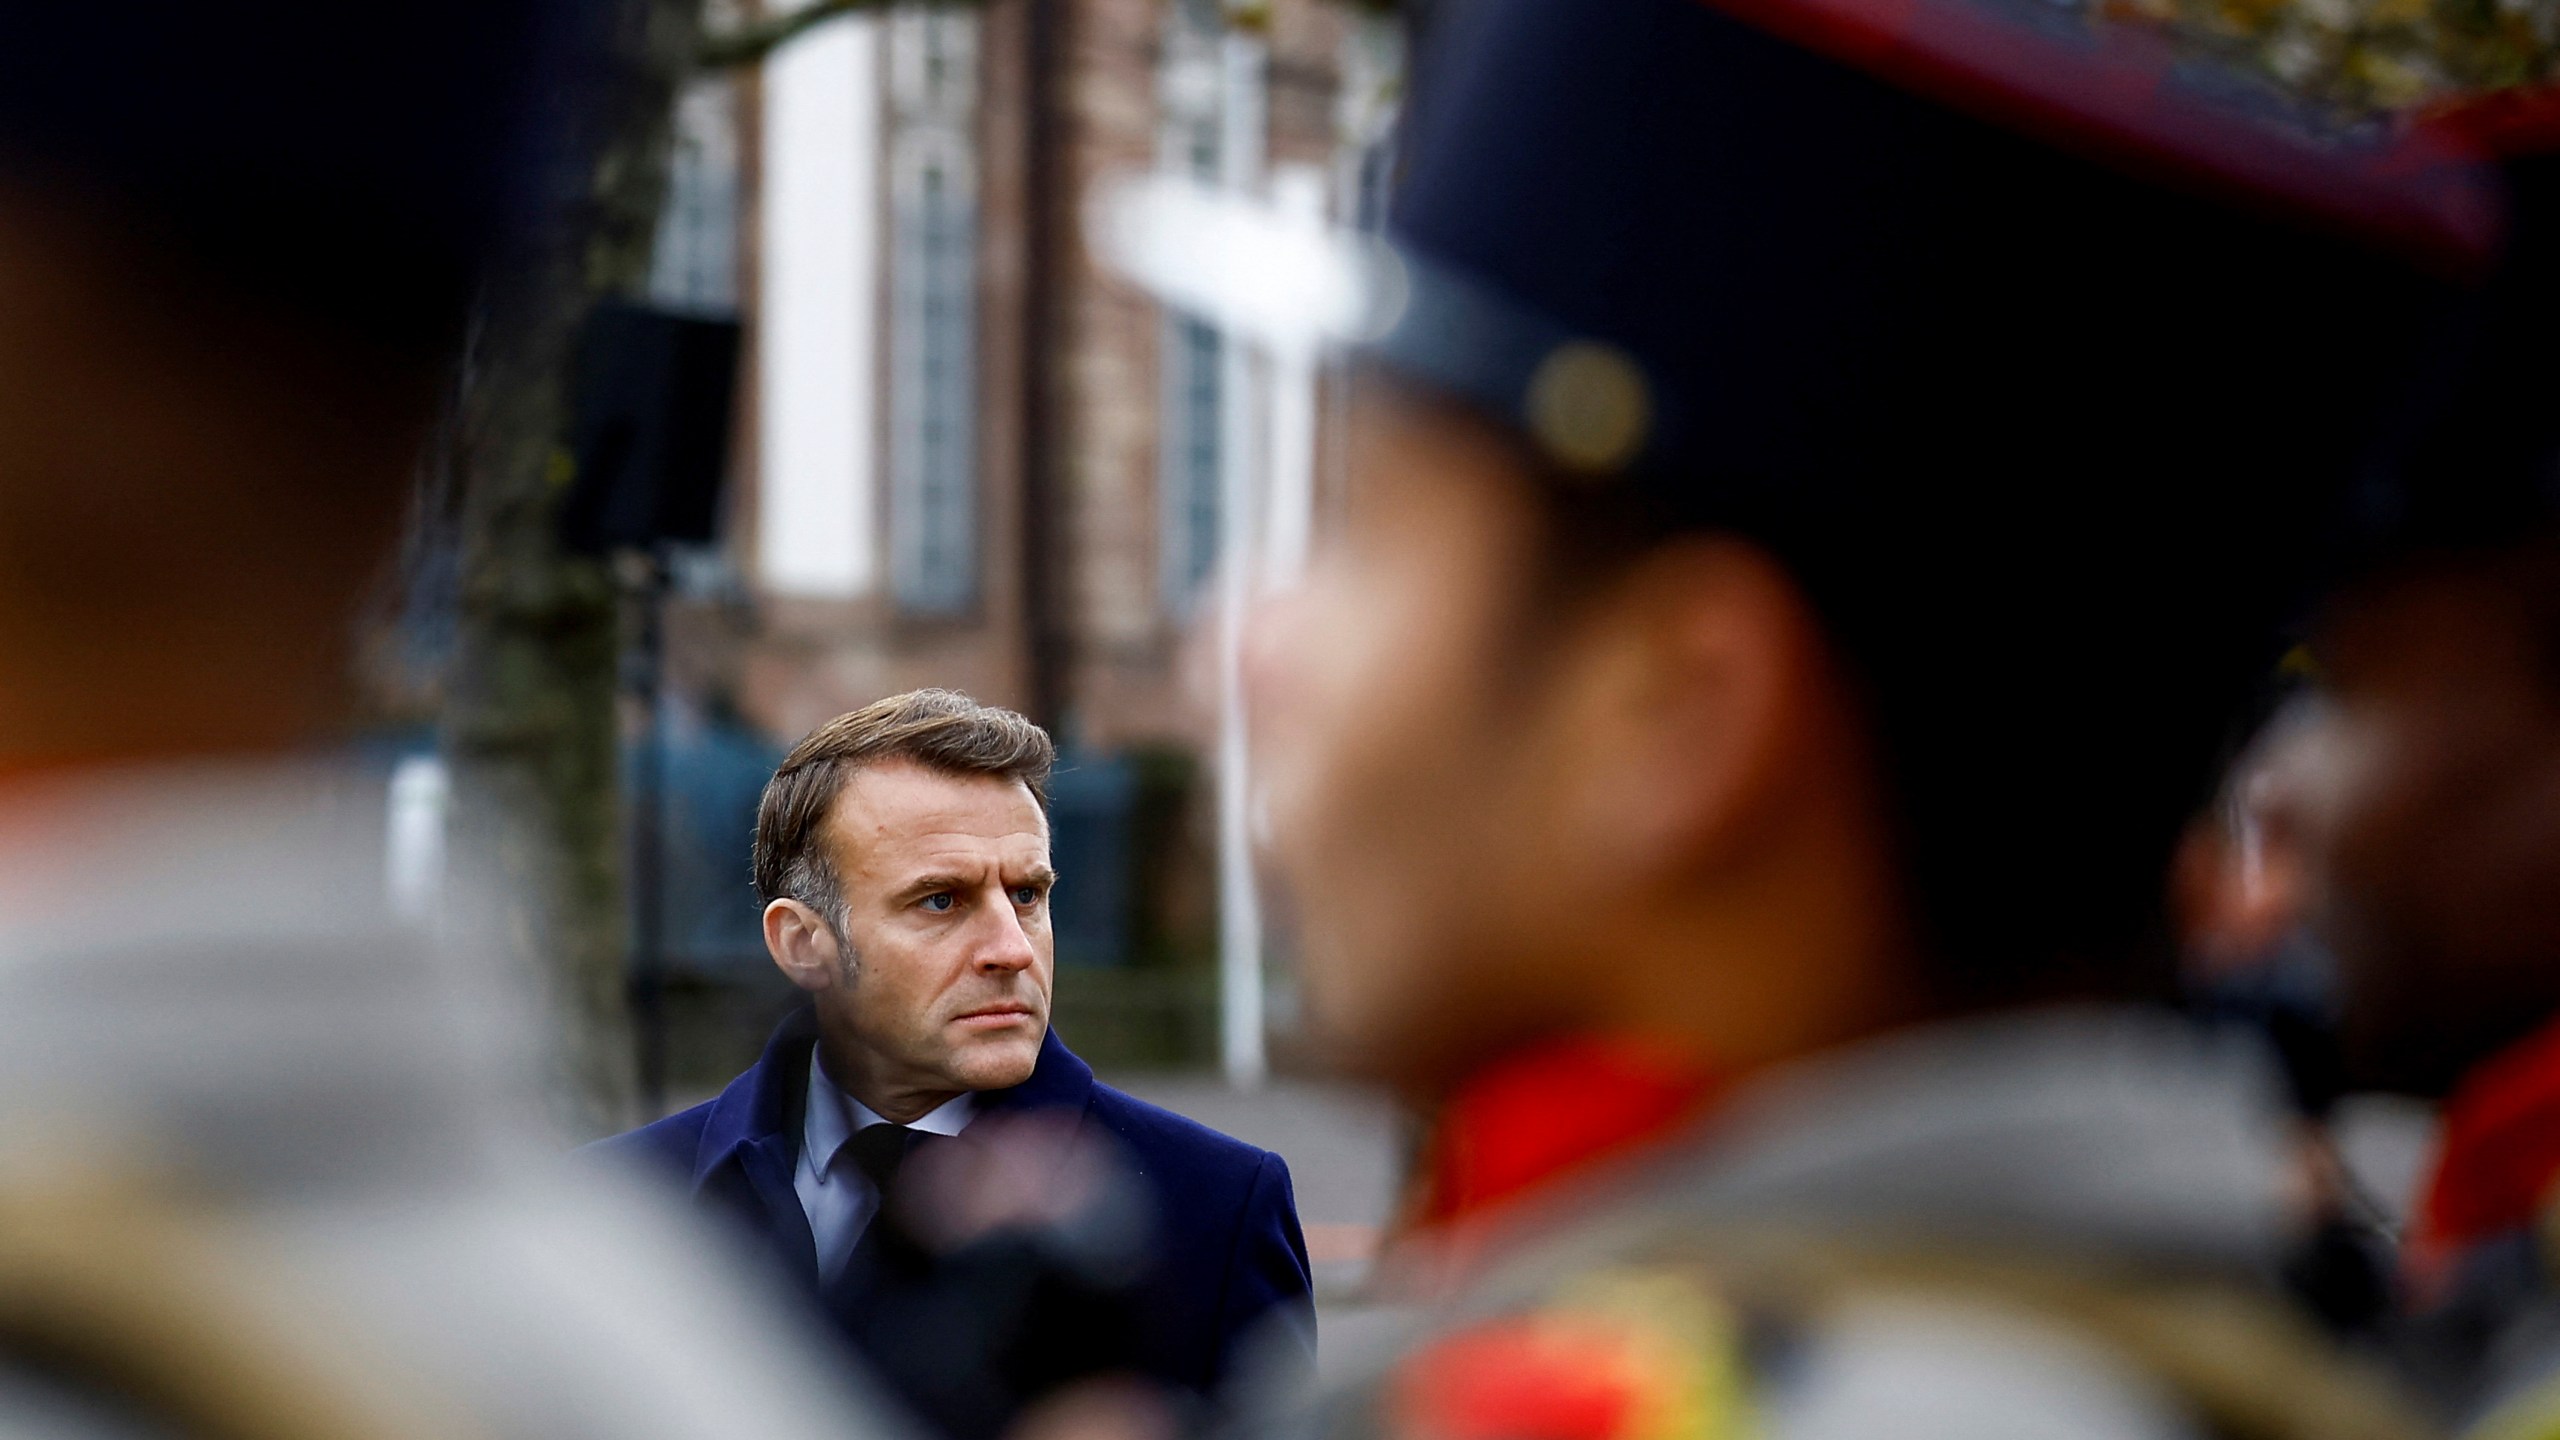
column 530, row 724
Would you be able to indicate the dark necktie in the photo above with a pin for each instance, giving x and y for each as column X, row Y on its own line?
column 878, row 1151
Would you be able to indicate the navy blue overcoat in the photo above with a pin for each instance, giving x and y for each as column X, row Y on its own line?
column 1232, row 1261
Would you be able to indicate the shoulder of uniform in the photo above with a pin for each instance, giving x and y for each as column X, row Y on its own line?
column 1623, row 1354
column 1951, row 1368
column 1639, row 1352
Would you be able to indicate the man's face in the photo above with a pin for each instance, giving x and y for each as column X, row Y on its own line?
column 945, row 880
column 2434, row 829
column 1399, row 719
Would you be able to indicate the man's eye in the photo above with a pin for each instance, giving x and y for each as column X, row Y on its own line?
column 1026, row 894
column 939, row 902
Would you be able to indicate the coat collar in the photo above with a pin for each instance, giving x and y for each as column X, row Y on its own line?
column 762, row 1108
column 1059, row 1081
column 2497, row 1160
column 1550, row 1111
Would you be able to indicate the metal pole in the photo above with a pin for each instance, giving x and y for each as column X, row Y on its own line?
column 648, row 841
column 1288, row 525
column 1046, row 640
column 1240, row 1023
column 1239, row 907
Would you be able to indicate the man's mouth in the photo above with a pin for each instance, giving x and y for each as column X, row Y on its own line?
column 990, row 1017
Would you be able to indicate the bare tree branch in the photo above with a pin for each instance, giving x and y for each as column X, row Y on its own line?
column 748, row 44
column 529, row 721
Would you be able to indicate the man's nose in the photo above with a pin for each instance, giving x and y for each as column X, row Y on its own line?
column 1009, row 946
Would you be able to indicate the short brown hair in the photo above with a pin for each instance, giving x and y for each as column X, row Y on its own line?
column 939, row 729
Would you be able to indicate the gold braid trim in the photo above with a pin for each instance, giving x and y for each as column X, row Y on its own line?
column 2246, row 1363
column 110, row 1284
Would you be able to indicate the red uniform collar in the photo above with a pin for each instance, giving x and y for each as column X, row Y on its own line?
column 2498, row 1155
column 1547, row 1111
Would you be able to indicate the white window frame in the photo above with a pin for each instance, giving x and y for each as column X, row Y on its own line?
column 934, row 491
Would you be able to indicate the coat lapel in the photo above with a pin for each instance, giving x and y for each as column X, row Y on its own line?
column 751, row 1143
column 750, row 1146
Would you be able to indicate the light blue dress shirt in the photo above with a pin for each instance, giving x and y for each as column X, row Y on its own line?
column 838, row 1199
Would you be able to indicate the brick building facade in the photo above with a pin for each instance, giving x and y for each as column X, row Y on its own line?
column 967, row 457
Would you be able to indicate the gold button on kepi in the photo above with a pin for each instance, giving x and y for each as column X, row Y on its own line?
column 1588, row 408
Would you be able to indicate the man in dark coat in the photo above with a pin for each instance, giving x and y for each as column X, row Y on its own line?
column 903, row 852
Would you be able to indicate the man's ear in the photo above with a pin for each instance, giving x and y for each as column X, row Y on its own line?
column 1703, row 704
column 803, row 945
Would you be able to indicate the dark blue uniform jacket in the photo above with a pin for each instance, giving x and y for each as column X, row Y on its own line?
column 1231, row 1260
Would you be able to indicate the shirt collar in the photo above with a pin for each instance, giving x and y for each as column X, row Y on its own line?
column 835, row 1117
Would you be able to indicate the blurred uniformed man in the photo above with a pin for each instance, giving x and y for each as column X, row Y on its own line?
column 1823, row 476
column 270, row 1160
column 2424, row 784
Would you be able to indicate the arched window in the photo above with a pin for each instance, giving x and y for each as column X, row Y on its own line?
column 933, row 206
column 694, row 265
column 1192, row 404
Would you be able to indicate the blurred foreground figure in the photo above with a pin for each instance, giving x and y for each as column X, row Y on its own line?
column 902, row 852
column 2239, row 891
column 2431, row 801
column 1827, row 477
column 268, row 1164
